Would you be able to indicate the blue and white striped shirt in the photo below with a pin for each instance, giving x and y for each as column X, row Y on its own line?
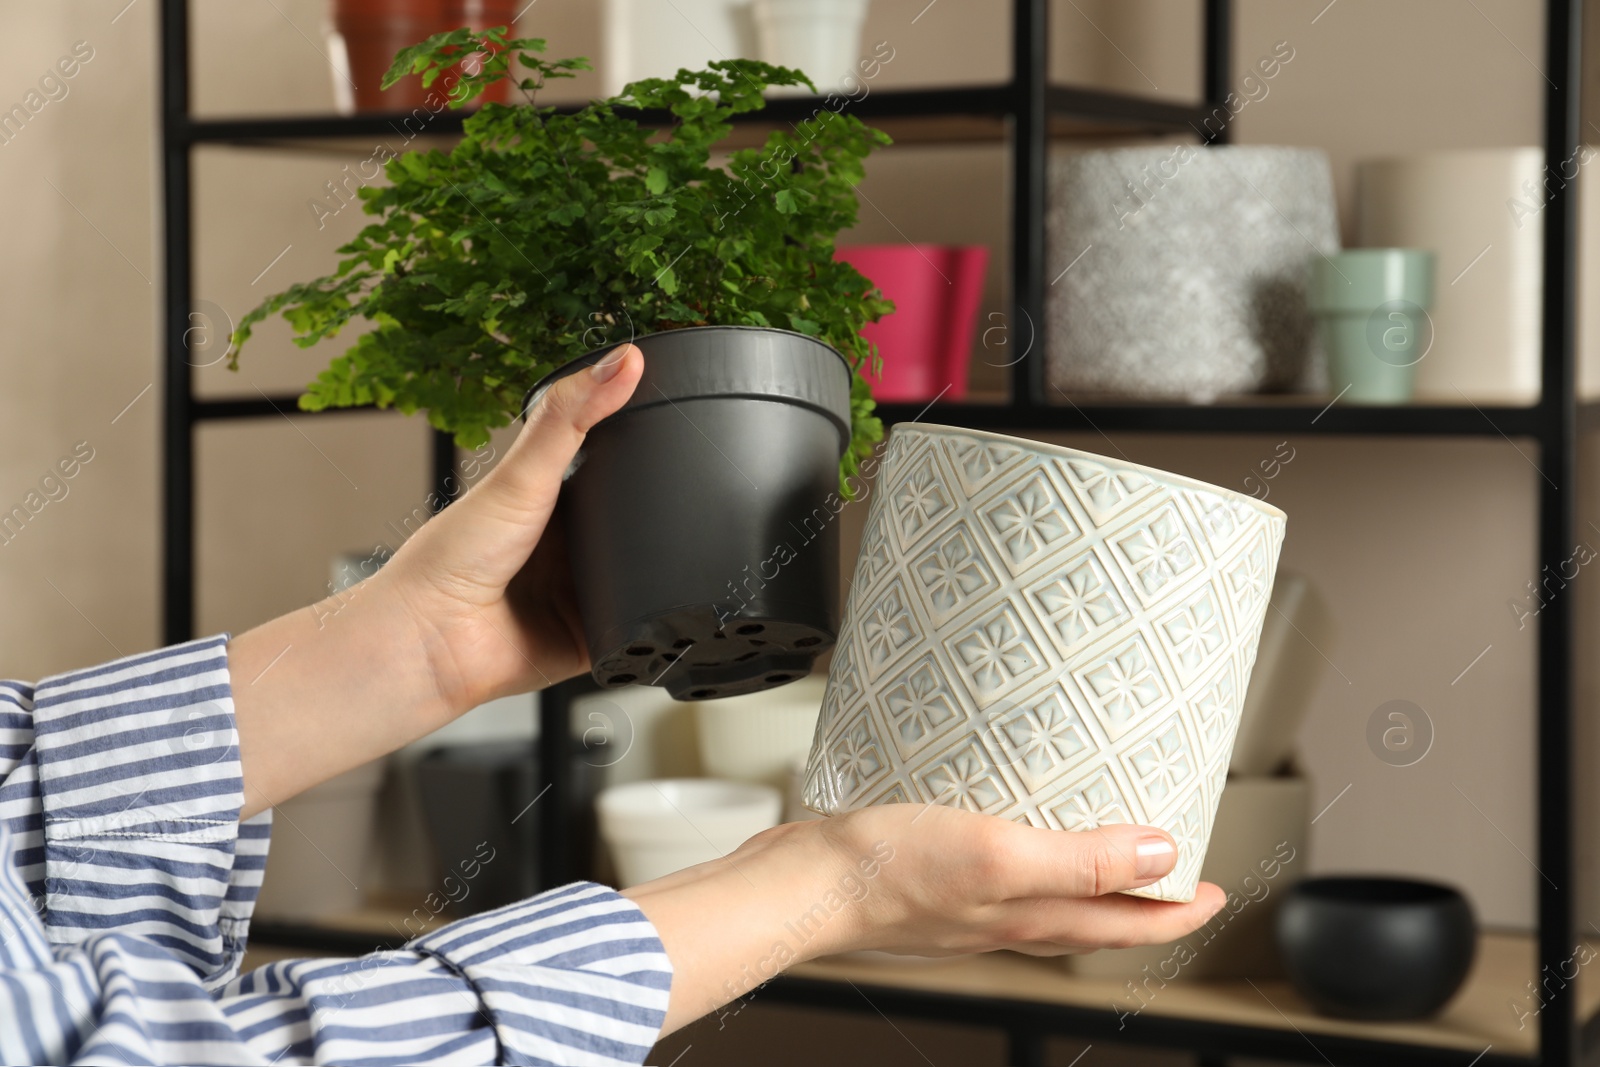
column 127, row 881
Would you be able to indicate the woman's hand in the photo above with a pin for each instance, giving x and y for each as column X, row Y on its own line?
column 486, row 578
column 478, row 604
column 925, row 880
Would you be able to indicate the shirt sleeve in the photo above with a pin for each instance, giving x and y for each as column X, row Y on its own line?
column 123, row 800
column 573, row 976
column 127, row 881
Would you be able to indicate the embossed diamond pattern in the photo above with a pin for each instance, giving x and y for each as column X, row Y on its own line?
column 1194, row 636
column 1049, row 636
column 1124, row 687
column 1162, row 764
column 887, row 630
column 918, row 705
column 1190, row 828
column 1249, row 579
column 1157, row 552
column 995, row 655
column 1077, row 603
column 1041, row 737
column 951, row 575
column 857, row 759
column 966, row 778
column 1104, row 490
column 1222, row 520
column 876, row 553
column 920, row 500
column 977, row 462
column 1029, row 523
column 1213, row 709
column 1098, row 802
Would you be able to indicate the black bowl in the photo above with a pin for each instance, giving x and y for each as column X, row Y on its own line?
column 1376, row 948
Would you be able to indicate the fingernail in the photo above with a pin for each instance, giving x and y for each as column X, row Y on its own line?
column 609, row 364
column 1154, row 856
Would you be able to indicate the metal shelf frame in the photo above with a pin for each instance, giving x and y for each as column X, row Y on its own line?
column 1029, row 103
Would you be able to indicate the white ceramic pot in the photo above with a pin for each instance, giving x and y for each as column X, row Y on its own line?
column 656, row 827
column 820, row 37
column 322, row 841
column 1289, row 664
column 1462, row 206
column 654, row 38
column 1259, row 848
column 755, row 738
column 1193, row 269
column 1046, row 635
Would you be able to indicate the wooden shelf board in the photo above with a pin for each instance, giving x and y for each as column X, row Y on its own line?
column 1479, row 1016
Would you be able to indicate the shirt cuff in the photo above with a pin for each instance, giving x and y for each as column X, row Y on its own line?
column 141, row 790
column 577, row 975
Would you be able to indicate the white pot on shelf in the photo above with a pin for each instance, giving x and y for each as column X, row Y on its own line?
column 755, row 738
column 654, row 828
column 654, row 38
column 819, row 37
column 322, row 841
column 1289, row 664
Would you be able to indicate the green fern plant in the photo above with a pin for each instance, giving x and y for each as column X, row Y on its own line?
column 542, row 235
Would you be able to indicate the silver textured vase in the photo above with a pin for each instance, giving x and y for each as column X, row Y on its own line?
column 1045, row 635
column 1180, row 272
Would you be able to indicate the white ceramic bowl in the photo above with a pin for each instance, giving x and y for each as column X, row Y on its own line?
column 754, row 738
column 656, row 827
column 1045, row 635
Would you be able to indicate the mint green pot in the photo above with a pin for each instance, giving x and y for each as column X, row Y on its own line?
column 1371, row 307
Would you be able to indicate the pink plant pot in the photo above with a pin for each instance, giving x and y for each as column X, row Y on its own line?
column 926, row 341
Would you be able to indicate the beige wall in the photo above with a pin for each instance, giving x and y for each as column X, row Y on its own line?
column 1418, row 543
column 78, row 310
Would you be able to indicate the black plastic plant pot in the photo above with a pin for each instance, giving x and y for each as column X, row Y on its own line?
column 701, row 520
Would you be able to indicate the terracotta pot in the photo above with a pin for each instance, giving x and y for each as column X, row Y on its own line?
column 370, row 32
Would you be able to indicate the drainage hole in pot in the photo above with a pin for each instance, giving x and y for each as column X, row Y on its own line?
column 751, row 628
column 683, row 642
column 670, row 657
column 640, row 650
column 720, row 636
column 756, row 641
column 776, row 678
column 807, row 642
column 747, row 655
column 701, row 694
column 623, row 679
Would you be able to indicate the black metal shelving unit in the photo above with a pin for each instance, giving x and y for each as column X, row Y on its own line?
column 1026, row 113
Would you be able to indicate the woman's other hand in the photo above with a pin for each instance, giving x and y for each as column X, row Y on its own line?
column 908, row 878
